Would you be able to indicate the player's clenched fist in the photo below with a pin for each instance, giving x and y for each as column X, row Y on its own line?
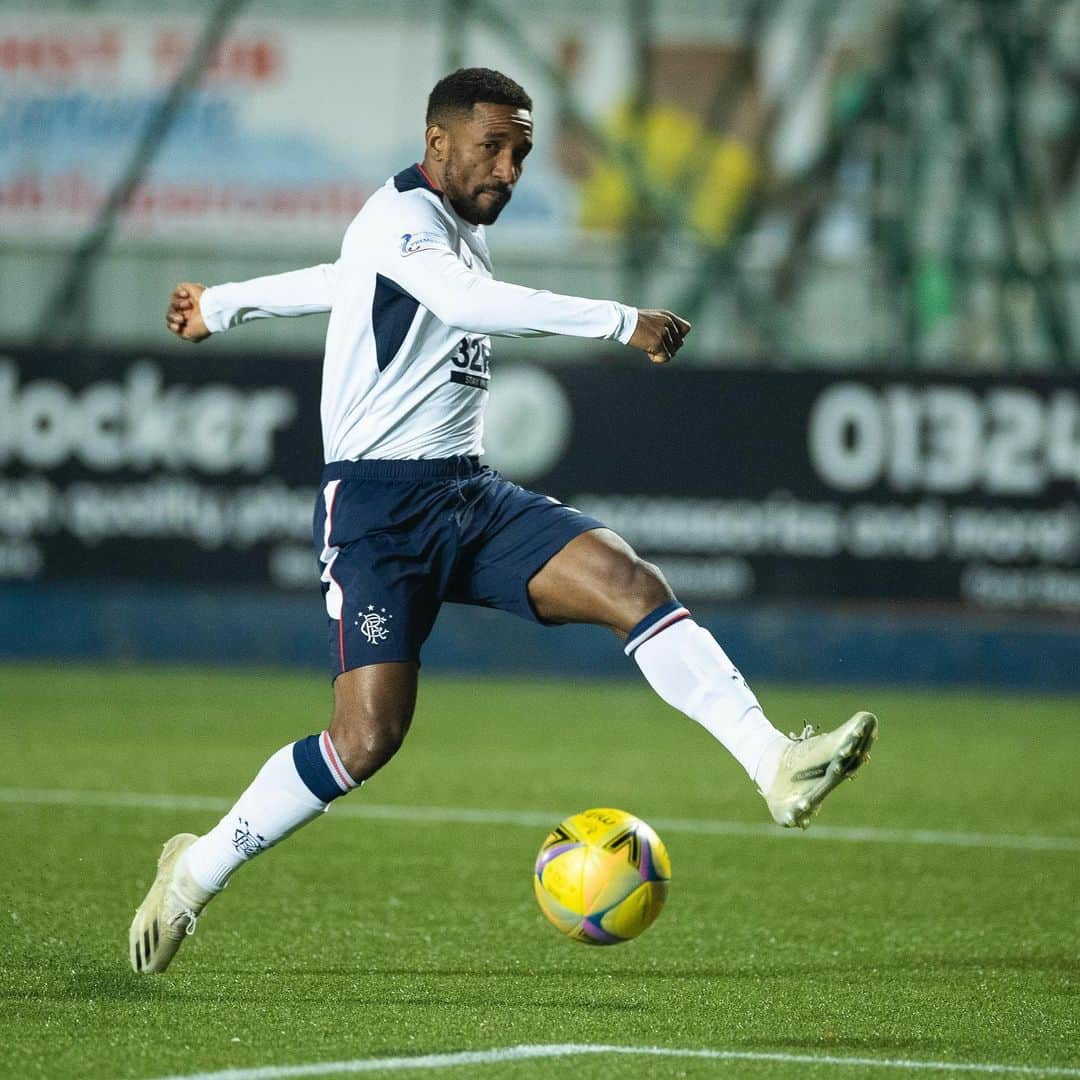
column 660, row 334
column 183, row 316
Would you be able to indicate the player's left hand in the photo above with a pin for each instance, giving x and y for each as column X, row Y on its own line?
column 660, row 334
column 184, row 315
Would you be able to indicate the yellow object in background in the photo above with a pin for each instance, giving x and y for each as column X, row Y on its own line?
column 717, row 172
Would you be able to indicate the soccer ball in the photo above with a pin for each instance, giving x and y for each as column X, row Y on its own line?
column 602, row 876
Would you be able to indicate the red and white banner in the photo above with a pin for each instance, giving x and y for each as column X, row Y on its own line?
column 294, row 125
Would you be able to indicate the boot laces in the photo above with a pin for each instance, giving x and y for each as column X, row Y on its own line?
column 806, row 733
column 190, row 917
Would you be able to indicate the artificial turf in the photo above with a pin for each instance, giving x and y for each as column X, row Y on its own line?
column 401, row 932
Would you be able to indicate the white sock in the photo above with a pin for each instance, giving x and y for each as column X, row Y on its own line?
column 276, row 803
column 688, row 669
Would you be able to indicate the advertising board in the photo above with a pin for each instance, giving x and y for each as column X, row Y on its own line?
column 741, row 485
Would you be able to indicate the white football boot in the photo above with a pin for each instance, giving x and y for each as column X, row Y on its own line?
column 169, row 912
column 812, row 765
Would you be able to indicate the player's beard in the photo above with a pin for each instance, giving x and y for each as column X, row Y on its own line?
column 468, row 204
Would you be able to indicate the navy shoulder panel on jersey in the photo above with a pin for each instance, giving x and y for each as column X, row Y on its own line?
column 415, row 177
column 392, row 313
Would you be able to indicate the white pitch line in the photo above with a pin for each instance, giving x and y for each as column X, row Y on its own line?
column 464, row 815
column 525, row 1053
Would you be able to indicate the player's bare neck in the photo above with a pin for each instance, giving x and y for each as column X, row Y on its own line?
column 433, row 173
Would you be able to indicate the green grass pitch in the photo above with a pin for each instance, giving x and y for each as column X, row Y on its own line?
column 387, row 930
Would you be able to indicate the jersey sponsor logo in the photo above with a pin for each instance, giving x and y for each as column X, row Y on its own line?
column 411, row 243
column 478, row 382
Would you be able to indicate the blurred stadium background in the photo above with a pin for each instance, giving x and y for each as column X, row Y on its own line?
column 863, row 467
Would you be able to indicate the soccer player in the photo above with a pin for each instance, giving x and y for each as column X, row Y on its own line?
column 407, row 517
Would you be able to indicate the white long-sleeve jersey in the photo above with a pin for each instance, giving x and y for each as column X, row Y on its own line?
column 412, row 306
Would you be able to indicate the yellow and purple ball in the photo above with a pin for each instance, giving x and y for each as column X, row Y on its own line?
column 602, row 876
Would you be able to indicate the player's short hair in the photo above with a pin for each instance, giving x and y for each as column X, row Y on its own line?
column 459, row 91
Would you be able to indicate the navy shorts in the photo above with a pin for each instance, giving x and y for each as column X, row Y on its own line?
column 397, row 538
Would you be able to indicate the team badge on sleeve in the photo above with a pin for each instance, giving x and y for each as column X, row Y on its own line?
column 411, row 243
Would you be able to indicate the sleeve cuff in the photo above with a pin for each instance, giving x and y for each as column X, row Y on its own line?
column 212, row 312
column 627, row 325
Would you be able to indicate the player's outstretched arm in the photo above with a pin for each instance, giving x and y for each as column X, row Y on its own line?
column 195, row 311
column 418, row 255
column 660, row 334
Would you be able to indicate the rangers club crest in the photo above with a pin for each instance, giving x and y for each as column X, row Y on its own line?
column 373, row 624
column 246, row 840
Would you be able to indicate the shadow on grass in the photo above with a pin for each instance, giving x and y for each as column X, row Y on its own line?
column 199, row 985
column 105, row 983
column 195, row 982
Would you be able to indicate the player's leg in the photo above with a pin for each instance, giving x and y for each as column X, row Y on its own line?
column 381, row 597
column 373, row 706
column 537, row 558
column 597, row 578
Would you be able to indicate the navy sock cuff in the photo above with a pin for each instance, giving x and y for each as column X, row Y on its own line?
column 658, row 619
column 314, row 771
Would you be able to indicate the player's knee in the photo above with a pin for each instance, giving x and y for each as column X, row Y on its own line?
column 639, row 587
column 367, row 739
column 646, row 585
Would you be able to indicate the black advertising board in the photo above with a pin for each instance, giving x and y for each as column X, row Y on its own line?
column 202, row 467
column 184, row 467
column 835, row 486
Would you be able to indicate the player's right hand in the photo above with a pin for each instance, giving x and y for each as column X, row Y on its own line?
column 660, row 334
column 183, row 315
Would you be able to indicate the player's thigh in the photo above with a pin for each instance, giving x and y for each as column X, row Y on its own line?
column 598, row 578
column 508, row 535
